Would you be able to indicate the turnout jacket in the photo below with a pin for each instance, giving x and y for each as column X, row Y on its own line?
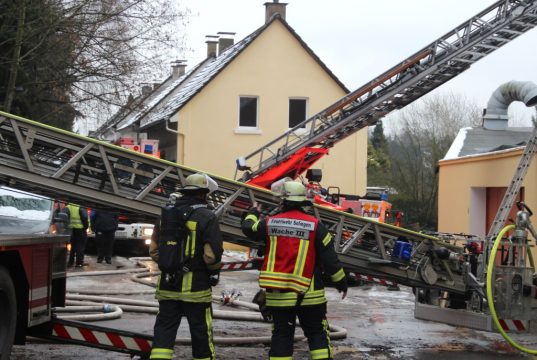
column 298, row 249
column 202, row 253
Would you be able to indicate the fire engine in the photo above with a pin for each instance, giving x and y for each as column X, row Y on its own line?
column 373, row 205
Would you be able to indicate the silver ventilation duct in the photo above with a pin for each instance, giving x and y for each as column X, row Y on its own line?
column 495, row 117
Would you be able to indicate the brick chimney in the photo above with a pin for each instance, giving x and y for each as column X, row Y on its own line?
column 178, row 68
column 274, row 7
column 225, row 41
column 212, row 45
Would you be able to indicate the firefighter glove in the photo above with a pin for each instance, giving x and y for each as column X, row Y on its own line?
column 261, row 300
column 214, row 277
column 342, row 287
column 254, row 211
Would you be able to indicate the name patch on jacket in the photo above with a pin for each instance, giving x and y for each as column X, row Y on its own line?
column 290, row 227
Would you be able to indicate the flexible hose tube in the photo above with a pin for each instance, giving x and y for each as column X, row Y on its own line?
column 111, row 292
column 110, row 312
column 218, row 314
column 138, row 278
column 236, row 302
column 111, row 300
column 107, row 272
column 336, row 332
column 85, row 299
column 132, row 305
column 216, row 298
column 129, row 308
column 490, row 298
column 530, row 258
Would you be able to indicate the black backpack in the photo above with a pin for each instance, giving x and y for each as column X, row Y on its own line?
column 172, row 238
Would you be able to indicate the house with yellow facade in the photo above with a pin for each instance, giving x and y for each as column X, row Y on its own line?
column 242, row 96
column 475, row 174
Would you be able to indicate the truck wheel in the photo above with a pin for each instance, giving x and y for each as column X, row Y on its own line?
column 8, row 314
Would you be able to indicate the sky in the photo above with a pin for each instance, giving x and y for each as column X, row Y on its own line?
column 360, row 39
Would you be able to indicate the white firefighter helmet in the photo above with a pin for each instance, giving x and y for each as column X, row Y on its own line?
column 289, row 190
column 199, row 181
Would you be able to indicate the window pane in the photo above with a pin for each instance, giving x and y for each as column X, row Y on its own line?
column 248, row 112
column 297, row 111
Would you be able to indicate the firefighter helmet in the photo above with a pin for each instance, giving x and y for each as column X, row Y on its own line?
column 199, row 181
column 293, row 191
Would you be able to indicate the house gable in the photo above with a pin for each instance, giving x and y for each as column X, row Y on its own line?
column 212, row 69
column 274, row 68
column 273, row 65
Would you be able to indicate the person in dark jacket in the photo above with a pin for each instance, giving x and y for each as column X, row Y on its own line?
column 78, row 223
column 299, row 249
column 187, row 291
column 104, row 224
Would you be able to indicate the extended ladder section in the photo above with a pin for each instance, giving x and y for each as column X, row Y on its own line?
column 296, row 150
column 73, row 168
column 511, row 193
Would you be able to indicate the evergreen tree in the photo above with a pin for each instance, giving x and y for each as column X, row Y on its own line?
column 378, row 159
column 378, row 140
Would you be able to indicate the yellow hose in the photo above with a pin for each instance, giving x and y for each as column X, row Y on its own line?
column 490, row 299
column 530, row 258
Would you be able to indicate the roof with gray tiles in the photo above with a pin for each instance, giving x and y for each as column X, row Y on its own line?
column 196, row 83
column 210, row 69
column 172, row 95
column 474, row 141
column 143, row 104
column 161, row 96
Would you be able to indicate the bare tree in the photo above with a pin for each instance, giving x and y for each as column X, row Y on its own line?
column 423, row 134
column 94, row 52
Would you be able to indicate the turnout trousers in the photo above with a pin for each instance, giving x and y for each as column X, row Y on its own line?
column 314, row 324
column 78, row 246
column 200, row 322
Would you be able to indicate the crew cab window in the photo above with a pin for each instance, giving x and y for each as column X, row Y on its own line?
column 24, row 213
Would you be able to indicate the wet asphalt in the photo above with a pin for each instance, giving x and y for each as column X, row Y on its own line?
column 380, row 324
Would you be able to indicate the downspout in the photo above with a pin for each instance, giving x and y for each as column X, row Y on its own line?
column 176, row 132
column 169, row 128
column 495, row 117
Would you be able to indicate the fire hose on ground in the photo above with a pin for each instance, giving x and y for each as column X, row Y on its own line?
column 91, row 300
column 109, row 312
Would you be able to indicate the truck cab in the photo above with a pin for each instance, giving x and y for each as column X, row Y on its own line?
column 33, row 249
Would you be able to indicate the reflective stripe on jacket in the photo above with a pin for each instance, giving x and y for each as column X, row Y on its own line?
column 290, row 259
column 326, row 261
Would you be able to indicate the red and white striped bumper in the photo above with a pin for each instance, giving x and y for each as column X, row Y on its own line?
column 101, row 337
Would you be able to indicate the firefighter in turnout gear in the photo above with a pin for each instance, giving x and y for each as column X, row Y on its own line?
column 187, row 291
column 298, row 249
